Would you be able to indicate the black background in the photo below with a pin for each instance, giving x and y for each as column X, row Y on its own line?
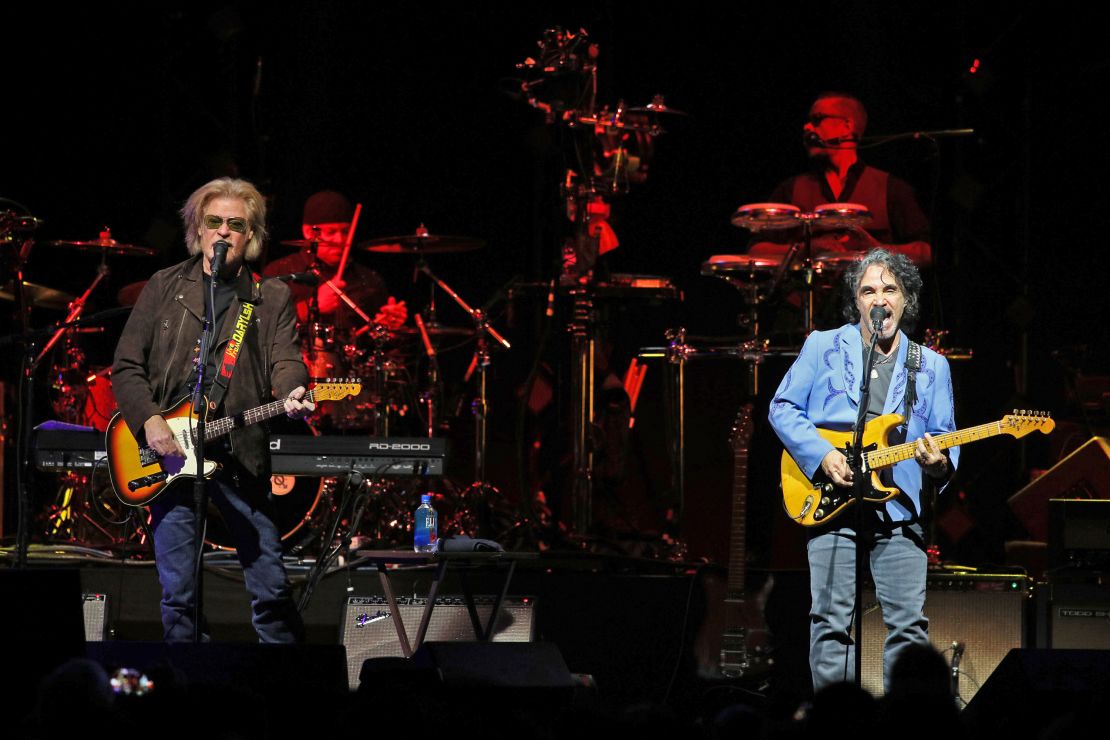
column 113, row 114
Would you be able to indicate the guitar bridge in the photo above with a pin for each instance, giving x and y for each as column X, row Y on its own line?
column 147, row 456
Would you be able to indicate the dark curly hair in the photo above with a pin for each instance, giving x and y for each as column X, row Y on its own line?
column 904, row 271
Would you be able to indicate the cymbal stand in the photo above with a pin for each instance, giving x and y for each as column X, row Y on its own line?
column 75, row 310
column 480, row 363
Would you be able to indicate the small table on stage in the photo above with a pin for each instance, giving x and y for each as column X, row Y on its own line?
column 442, row 561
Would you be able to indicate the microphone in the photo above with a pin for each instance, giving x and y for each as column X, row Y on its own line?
column 303, row 278
column 957, row 654
column 810, row 138
column 219, row 255
column 878, row 315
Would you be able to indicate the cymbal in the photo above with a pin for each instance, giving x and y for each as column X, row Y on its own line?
column 421, row 243
column 128, row 295
column 435, row 330
column 105, row 244
column 300, row 243
column 38, row 295
column 657, row 107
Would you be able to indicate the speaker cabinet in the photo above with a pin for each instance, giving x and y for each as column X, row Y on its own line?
column 96, row 621
column 367, row 629
column 985, row 614
column 1074, row 616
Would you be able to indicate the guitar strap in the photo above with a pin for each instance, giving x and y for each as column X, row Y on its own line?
column 231, row 356
column 928, row 488
column 913, row 364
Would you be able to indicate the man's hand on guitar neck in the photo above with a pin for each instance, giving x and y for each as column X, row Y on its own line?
column 160, row 438
column 837, row 469
column 295, row 408
column 930, row 458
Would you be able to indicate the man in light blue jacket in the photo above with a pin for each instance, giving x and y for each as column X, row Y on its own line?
column 822, row 390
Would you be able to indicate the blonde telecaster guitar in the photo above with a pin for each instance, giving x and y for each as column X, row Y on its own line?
column 138, row 474
column 813, row 502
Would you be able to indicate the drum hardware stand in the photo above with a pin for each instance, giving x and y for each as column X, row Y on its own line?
column 479, row 364
column 584, row 351
column 354, row 492
column 806, row 250
column 677, row 352
column 431, row 393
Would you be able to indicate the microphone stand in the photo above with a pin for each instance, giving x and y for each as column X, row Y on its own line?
column 859, row 487
column 200, row 484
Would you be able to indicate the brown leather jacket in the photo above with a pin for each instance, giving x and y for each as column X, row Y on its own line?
column 155, row 353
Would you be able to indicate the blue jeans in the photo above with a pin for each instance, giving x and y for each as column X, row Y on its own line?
column 246, row 511
column 898, row 568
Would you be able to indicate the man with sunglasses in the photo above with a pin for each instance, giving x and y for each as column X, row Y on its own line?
column 156, row 365
column 831, row 137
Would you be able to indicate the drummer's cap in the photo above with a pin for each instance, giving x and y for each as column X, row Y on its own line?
column 327, row 207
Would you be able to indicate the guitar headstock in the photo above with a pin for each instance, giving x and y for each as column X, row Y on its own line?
column 1023, row 422
column 336, row 389
column 741, row 434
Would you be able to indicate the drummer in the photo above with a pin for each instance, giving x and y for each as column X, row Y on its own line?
column 831, row 136
column 325, row 224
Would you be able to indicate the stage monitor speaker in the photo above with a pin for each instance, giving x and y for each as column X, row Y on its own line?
column 40, row 627
column 367, row 629
column 985, row 614
column 1032, row 689
column 537, row 665
column 96, row 616
column 266, row 668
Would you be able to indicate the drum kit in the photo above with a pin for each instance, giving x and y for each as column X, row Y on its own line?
column 79, row 391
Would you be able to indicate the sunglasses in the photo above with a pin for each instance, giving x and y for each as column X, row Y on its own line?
column 235, row 224
column 818, row 118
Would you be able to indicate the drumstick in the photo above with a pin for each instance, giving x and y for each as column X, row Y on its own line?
column 424, row 336
column 347, row 246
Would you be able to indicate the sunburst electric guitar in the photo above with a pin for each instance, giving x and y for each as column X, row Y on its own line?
column 813, row 502
column 139, row 474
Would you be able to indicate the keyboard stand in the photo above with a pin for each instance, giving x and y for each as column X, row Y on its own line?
column 442, row 560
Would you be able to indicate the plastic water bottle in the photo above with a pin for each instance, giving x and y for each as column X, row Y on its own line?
column 426, row 526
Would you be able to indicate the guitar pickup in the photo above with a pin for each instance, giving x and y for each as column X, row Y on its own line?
column 147, row 456
column 146, row 480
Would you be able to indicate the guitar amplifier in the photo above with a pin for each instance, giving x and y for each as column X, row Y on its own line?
column 980, row 617
column 367, row 629
column 95, row 610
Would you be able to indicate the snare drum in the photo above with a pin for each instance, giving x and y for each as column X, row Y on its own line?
column 756, row 217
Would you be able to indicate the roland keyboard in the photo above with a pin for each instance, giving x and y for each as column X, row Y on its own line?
column 293, row 454
column 290, row 454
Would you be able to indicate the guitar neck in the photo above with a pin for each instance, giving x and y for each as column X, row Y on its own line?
column 737, row 561
column 220, row 427
column 894, row 454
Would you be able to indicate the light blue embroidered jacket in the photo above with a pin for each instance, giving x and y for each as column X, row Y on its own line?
column 822, row 389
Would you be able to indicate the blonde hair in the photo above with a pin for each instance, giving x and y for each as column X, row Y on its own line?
column 192, row 213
